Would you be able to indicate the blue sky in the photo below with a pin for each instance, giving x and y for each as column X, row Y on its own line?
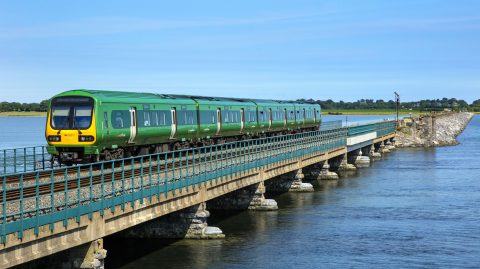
column 264, row 49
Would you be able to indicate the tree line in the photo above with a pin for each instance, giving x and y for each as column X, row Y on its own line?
column 15, row 106
column 422, row 105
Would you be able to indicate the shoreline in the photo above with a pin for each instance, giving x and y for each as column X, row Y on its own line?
column 23, row 114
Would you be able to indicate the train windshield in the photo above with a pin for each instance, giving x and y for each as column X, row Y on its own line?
column 71, row 113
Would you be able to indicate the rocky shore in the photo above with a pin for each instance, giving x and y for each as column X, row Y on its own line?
column 432, row 130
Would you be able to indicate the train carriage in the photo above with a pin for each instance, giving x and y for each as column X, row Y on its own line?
column 85, row 125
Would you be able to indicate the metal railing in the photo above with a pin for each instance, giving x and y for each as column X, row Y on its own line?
column 18, row 160
column 381, row 128
column 331, row 125
column 31, row 200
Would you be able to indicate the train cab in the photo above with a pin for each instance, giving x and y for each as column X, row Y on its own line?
column 71, row 126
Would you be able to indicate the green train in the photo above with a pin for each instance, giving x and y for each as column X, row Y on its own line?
column 87, row 125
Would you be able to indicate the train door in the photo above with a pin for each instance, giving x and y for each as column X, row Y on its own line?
column 270, row 118
column 242, row 119
column 173, row 131
column 105, row 125
column 315, row 115
column 219, row 121
column 133, row 125
column 304, row 116
column 285, row 118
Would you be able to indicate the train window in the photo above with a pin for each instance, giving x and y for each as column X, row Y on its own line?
column 253, row 116
column 154, row 118
column 208, row 117
column 226, row 118
column 164, row 118
column 146, row 119
column 161, row 118
column 143, row 118
column 190, row 118
column 120, row 119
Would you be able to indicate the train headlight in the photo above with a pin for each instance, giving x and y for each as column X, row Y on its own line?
column 85, row 138
column 54, row 138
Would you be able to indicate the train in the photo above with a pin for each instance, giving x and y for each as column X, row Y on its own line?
column 85, row 126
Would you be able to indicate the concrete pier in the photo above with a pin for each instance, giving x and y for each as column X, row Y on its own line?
column 358, row 158
column 383, row 148
column 341, row 164
column 251, row 197
column 91, row 255
column 290, row 182
column 389, row 145
column 298, row 185
column 189, row 223
column 326, row 174
column 375, row 153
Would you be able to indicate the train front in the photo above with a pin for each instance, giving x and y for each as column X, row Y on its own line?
column 70, row 129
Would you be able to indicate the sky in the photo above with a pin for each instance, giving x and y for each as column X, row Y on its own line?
column 341, row 50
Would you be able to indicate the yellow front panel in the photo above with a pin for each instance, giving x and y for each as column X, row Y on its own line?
column 70, row 137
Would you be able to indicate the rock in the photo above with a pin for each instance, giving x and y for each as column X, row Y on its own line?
column 432, row 131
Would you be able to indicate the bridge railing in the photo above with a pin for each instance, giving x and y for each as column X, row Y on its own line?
column 387, row 127
column 34, row 199
column 330, row 125
column 17, row 160
column 382, row 128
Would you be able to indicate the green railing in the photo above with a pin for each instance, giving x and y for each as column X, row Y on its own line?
column 31, row 200
column 331, row 125
column 382, row 128
column 26, row 159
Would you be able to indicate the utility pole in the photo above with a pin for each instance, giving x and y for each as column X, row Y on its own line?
column 397, row 101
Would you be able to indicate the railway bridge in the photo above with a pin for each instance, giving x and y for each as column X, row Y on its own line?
column 47, row 209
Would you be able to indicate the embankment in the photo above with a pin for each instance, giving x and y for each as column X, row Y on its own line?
column 432, row 130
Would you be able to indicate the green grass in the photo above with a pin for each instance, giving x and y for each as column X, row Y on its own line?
column 22, row 114
column 368, row 111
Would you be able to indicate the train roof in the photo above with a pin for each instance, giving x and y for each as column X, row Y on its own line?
column 109, row 96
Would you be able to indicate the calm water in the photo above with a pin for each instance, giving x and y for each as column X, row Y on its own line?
column 415, row 208
column 22, row 132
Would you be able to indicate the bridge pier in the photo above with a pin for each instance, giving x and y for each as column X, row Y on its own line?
column 91, row 256
column 251, row 197
column 189, row 223
column 383, row 148
column 290, row 182
column 389, row 145
column 340, row 164
column 375, row 154
column 324, row 173
column 360, row 158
